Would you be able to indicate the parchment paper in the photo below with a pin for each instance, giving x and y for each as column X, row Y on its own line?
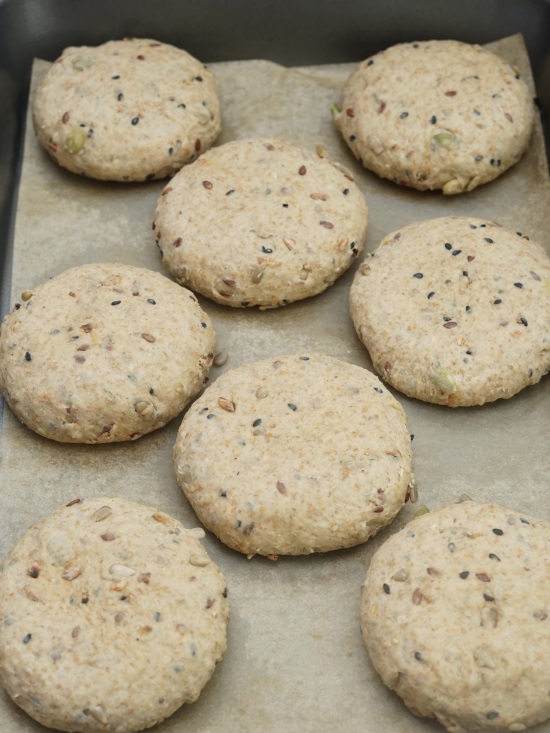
column 295, row 661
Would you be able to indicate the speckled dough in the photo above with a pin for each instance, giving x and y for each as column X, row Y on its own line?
column 103, row 353
column 260, row 222
column 112, row 617
column 294, row 454
column 436, row 115
column 128, row 110
column 455, row 616
column 455, row 310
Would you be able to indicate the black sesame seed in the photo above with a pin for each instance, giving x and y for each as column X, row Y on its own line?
column 181, row 105
column 478, row 158
column 433, row 120
column 285, row 206
column 231, row 190
column 304, row 358
column 456, row 252
column 498, row 301
column 468, row 309
column 123, row 598
column 488, row 239
column 492, row 715
column 447, row 319
column 223, row 494
column 498, row 531
column 469, row 352
column 267, row 250
column 523, row 321
column 345, row 191
column 257, row 422
column 481, row 226
column 518, row 285
column 120, row 96
column 198, row 78
column 352, row 138
column 418, row 275
column 488, row 597
column 386, row 588
column 170, row 151
column 377, row 389
column 524, row 521
column 415, row 45
column 370, row 62
column 17, row 306
column 135, row 120
column 292, row 406
column 411, row 436
column 225, row 592
column 492, row 556
column 203, row 324
column 28, row 357
column 403, row 115
column 85, row 599
column 464, row 574
column 431, row 294
column 27, row 638
column 418, row 655
column 448, row 245
column 152, row 301
column 209, row 417
column 495, row 161
column 116, row 302
column 74, row 338
column 473, row 226
column 117, row 76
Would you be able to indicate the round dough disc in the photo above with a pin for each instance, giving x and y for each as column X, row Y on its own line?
column 436, row 115
column 129, row 110
column 103, row 352
column 112, row 616
column 455, row 310
column 455, row 614
column 294, row 454
column 260, row 222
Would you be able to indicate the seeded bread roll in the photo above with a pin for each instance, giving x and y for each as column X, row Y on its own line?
column 455, row 616
column 436, row 115
column 260, row 222
column 293, row 455
column 455, row 310
column 129, row 110
column 112, row 617
column 103, row 353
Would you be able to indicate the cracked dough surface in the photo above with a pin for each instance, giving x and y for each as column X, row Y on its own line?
column 455, row 310
column 112, row 617
column 294, row 454
column 436, row 115
column 455, row 615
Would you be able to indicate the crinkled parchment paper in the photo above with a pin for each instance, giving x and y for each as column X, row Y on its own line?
column 296, row 661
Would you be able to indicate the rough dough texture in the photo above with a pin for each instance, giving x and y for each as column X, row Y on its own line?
column 130, row 110
column 260, row 222
column 294, row 454
column 103, row 352
column 455, row 613
column 112, row 616
column 436, row 115
column 455, row 310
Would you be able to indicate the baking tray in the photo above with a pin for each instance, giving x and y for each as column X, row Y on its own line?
column 295, row 660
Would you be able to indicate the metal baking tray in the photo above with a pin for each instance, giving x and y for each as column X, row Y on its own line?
column 294, row 643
